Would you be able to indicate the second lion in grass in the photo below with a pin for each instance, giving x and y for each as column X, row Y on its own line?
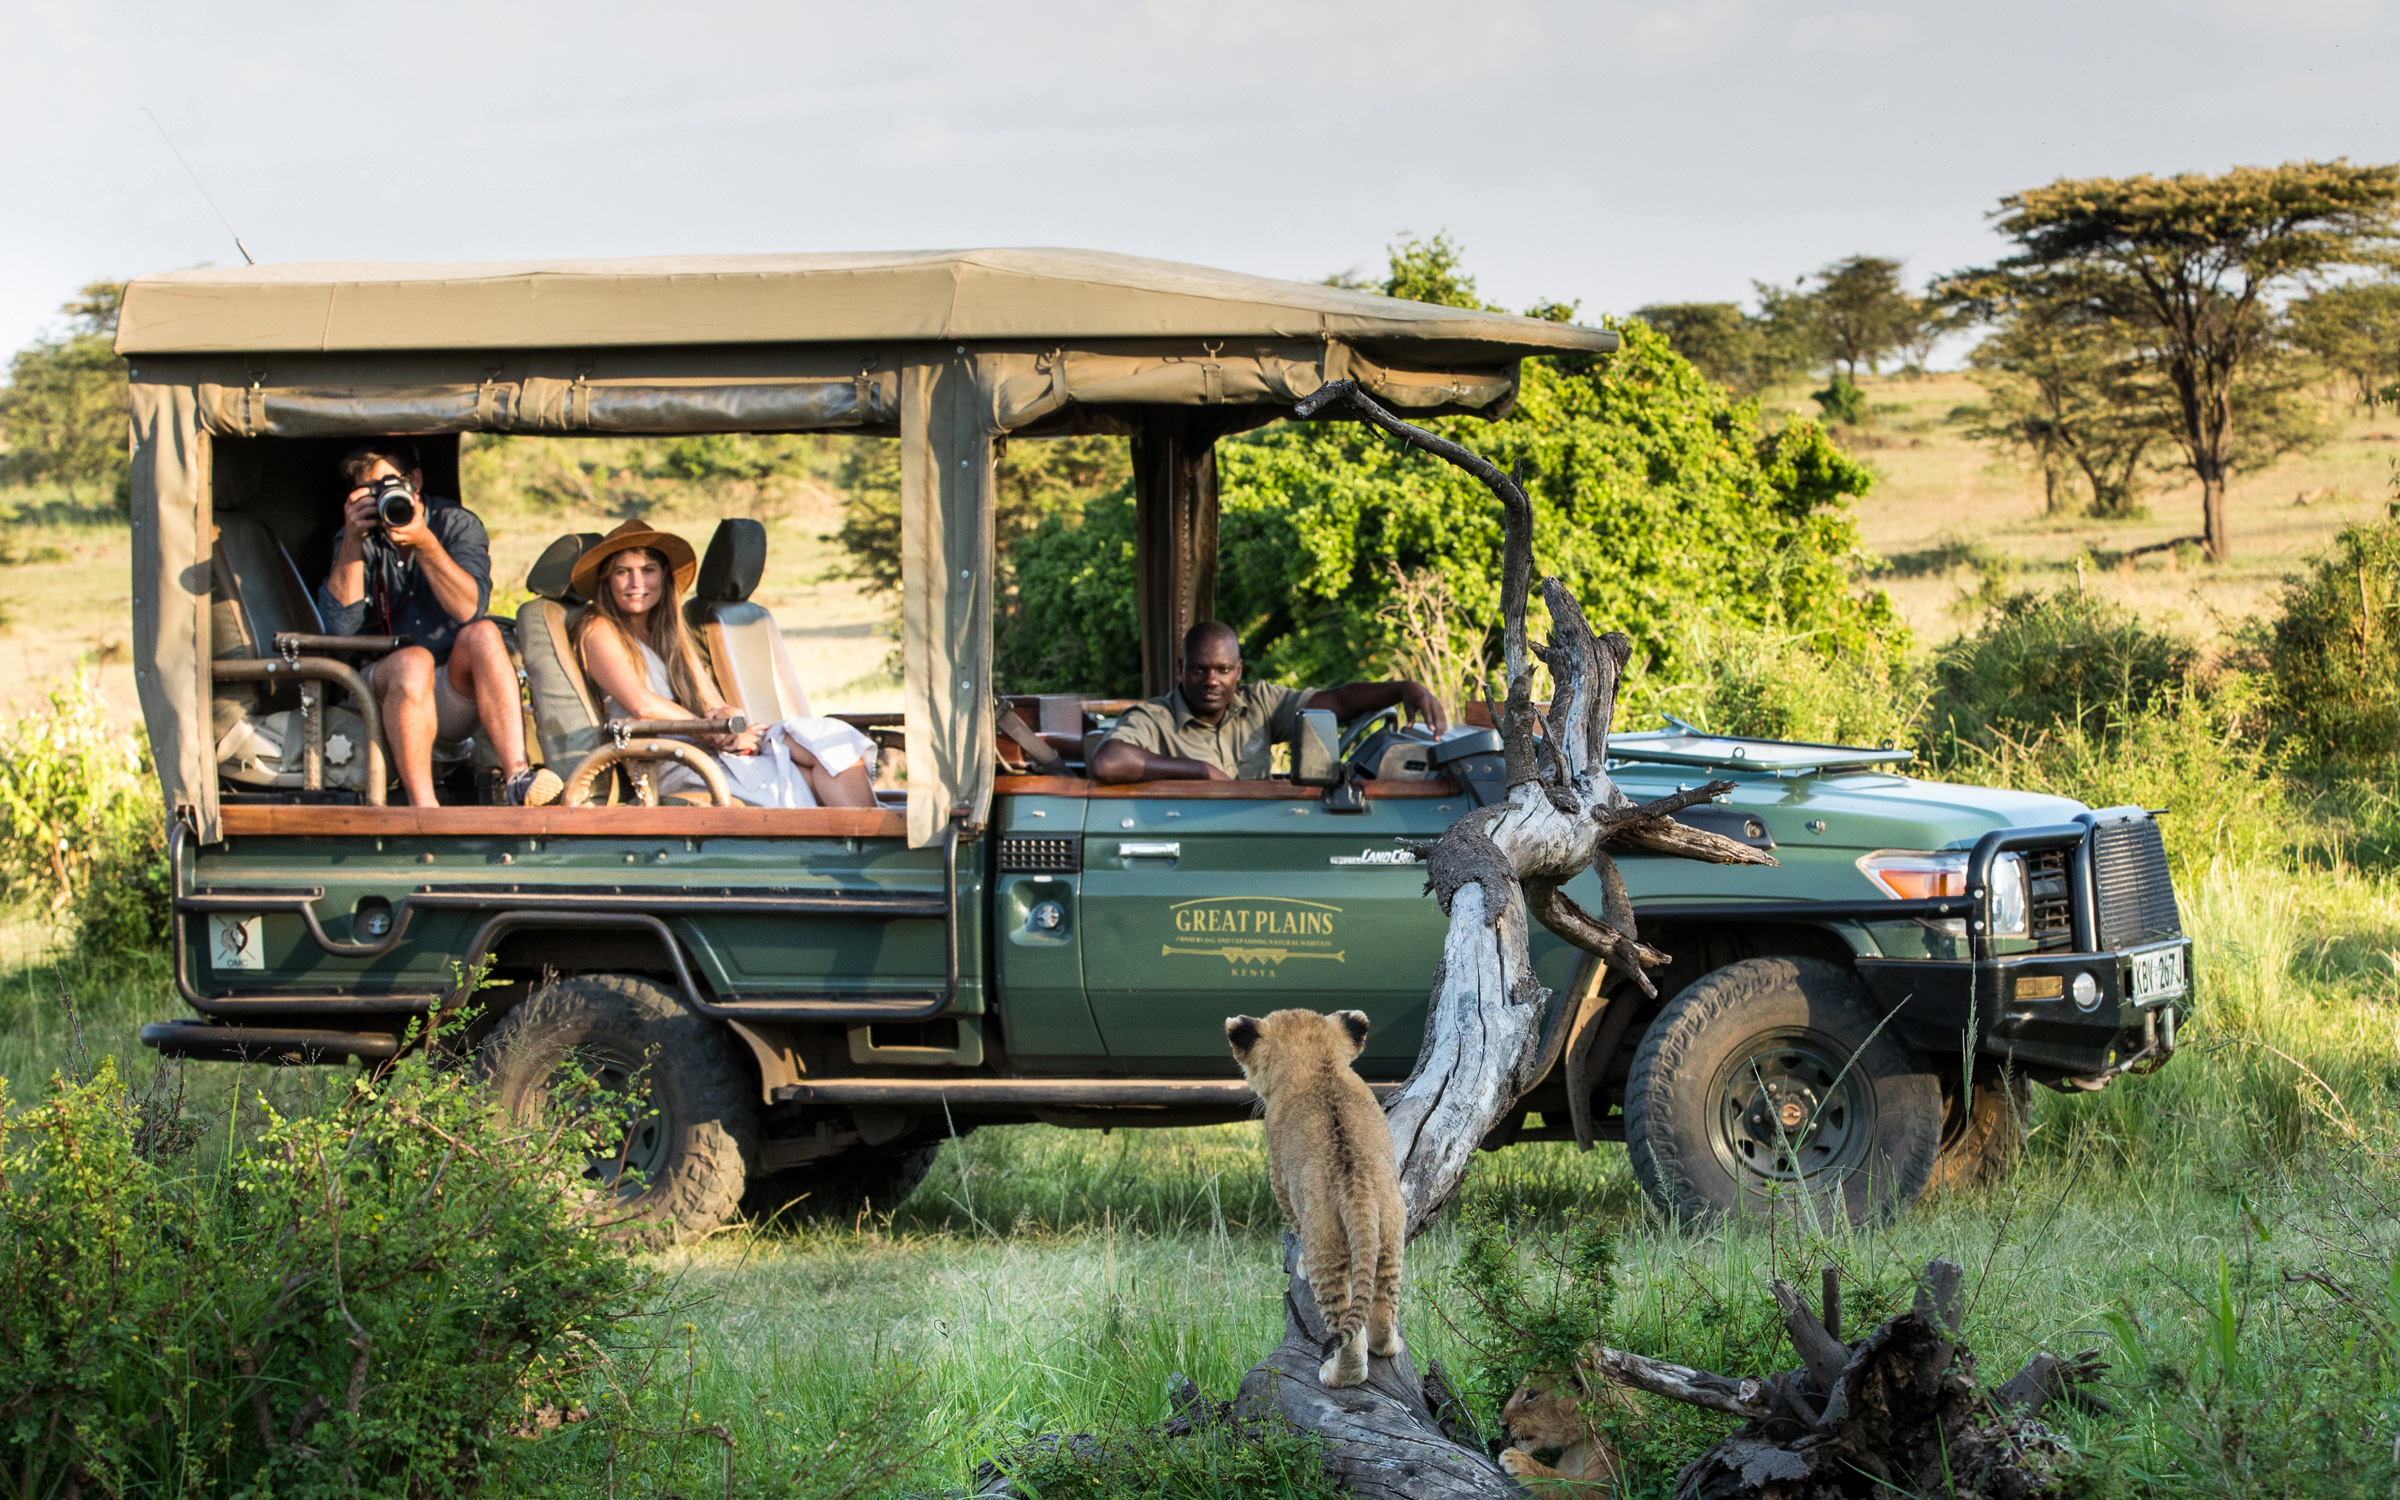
column 1329, row 1155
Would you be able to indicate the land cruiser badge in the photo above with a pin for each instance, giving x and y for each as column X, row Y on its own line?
column 1375, row 857
column 1255, row 935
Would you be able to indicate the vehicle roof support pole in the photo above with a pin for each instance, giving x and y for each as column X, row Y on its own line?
column 1175, row 527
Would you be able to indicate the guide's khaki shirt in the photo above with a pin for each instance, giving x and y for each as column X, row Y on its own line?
column 1241, row 744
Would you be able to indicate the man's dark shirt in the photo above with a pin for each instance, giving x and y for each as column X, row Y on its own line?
column 398, row 600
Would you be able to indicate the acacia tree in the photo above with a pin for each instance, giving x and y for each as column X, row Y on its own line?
column 63, row 410
column 2066, row 387
column 2355, row 330
column 1861, row 311
column 2198, row 261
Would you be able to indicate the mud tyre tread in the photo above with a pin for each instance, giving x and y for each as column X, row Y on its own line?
column 1989, row 1143
column 1667, row 1131
column 698, row 1083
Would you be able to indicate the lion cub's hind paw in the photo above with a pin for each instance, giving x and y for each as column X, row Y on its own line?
column 1345, row 1366
column 1391, row 1347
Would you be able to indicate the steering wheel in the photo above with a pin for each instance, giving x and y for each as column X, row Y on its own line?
column 1364, row 730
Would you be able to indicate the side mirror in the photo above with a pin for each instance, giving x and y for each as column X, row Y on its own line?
column 1316, row 755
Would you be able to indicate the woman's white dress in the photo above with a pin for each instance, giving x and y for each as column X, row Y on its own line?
column 768, row 778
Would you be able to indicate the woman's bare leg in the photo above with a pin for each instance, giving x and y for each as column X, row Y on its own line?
column 850, row 789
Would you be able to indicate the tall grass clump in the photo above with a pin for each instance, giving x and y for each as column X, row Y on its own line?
column 82, row 833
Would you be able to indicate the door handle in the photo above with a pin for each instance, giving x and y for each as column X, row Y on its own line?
column 1129, row 850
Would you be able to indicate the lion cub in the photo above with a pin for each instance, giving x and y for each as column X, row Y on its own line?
column 1329, row 1155
column 1553, row 1411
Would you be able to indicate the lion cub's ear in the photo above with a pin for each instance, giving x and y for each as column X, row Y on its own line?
column 1242, row 1032
column 1355, row 1023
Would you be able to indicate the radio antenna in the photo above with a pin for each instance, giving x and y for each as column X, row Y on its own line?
column 247, row 257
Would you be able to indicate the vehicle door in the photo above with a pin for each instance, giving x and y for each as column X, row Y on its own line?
column 1204, row 900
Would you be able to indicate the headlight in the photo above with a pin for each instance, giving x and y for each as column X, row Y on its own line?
column 1908, row 875
column 2008, row 896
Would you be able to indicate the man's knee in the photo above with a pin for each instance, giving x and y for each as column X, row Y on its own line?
column 406, row 673
column 478, row 648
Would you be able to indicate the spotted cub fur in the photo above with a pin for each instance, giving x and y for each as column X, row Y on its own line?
column 1549, row 1411
column 1329, row 1155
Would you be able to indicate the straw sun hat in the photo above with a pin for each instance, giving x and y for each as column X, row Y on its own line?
column 684, row 563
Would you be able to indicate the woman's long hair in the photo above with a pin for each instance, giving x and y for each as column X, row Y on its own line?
column 662, row 629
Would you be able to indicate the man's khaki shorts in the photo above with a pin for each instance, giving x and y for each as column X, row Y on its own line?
column 455, row 718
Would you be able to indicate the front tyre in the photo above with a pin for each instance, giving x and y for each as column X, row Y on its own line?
column 1766, row 1083
column 690, row 1113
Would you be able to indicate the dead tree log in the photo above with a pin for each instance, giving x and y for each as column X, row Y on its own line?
column 1494, row 872
column 1897, row 1412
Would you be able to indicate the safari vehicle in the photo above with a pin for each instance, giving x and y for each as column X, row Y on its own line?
column 821, row 996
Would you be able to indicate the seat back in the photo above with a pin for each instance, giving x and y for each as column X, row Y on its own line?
column 745, row 650
column 255, row 592
column 567, row 723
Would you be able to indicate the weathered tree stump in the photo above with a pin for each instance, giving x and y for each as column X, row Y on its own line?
column 1495, row 871
column 1897, row 1412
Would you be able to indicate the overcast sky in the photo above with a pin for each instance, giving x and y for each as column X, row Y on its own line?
column 1616, row 153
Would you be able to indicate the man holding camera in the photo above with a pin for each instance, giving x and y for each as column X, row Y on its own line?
column 419, row 565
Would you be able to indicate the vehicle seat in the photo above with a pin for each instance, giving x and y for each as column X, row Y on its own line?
column 745, row 650
column 567, row 723
column 255, row 593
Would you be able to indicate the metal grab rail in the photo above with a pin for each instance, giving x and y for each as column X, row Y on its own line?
column 578, row 790
column 316, row 669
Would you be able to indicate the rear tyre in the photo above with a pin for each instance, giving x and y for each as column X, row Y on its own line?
column 1765, row 1084
column 1982, row 1142
column 691, row 1112
column 880, row 1178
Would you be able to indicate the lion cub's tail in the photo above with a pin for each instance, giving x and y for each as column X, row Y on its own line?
column 1363, row 1227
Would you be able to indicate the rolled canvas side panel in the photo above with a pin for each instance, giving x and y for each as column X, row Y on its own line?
column 170, row 595
column 946, row 594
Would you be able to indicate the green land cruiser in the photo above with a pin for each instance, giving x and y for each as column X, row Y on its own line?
column 819, row 997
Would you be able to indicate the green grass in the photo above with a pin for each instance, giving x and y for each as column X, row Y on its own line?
column 1044, row 1280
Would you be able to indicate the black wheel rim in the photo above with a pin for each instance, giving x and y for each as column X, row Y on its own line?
column 638, row 1147
column 1785, row 1111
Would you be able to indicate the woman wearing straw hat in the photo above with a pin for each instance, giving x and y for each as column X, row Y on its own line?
column 634, row 646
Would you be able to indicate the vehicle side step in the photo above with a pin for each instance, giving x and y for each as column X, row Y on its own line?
column 1082, row 1093
column 272, row 1044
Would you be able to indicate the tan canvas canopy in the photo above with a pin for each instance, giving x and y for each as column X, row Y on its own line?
column 949, row 350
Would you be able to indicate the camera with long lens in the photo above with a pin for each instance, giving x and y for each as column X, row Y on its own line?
column 395, row 502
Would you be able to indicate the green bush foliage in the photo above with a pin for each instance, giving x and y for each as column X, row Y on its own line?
column 2333, row 648
column 1266, row 1465
column 82, row 834
column 1658, row 498
column 1774, row 685
column 364, row 1300
column 2064, row 658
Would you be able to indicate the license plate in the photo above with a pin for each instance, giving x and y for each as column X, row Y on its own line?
column 2158, row 976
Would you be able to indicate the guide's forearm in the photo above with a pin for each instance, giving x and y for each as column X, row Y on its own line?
column 347, row 583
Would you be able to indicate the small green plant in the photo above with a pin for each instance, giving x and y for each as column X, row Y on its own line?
column 1841, row 402
column 1531, row 1300
column 1209, row 1465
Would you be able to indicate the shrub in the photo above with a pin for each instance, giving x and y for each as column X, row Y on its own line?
column 1778, row 686
column 82, row 835
column 365, row 1299
column 2334, row 647
column 1841, row 402
column 2044, row 660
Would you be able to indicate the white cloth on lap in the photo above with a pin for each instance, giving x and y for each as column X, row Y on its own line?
column 769, row 778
